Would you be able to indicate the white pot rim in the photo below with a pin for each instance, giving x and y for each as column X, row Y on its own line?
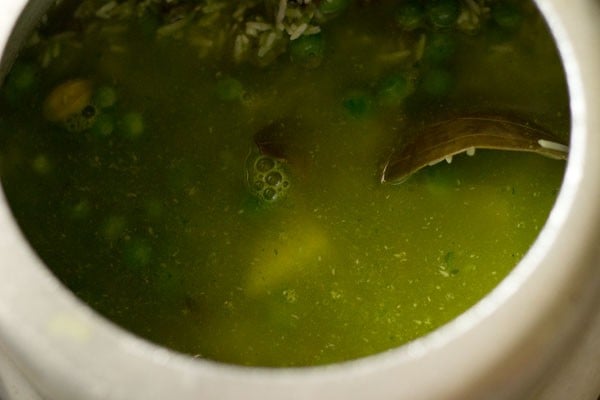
column 65, row 347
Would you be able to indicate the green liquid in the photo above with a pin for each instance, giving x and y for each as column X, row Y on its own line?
column 152, row 223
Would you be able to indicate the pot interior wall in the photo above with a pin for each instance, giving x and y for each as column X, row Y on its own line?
column 32, row 13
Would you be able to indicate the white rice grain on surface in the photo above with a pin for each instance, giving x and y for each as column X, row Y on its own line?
column 281, row 12
column 214, row 7
column 104, row 11
column 420, row 47
column 395, row 56
column 240, row 47
column 238, row 15
column 268, row 45
column 293, row 13
column 298, row 31
column 312, row 30
column 258, row 26
column 171, row 29
column 471, row 151
column 474, row 6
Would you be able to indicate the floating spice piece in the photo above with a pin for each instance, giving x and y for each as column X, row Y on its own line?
column 281, row 139
column 67, row 99
column 445, row 139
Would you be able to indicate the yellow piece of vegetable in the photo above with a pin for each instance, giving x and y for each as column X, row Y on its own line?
column 290, row 254
column 67, row 99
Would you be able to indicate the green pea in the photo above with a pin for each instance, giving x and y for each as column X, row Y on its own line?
column 308, row 50
column 357, row 103
column 104, row 125
column 132, row 125
column 138, row 253
column 23, row 79
column 252, row 204
column 393, row 90
column 41, row 165
column 329, row 7
column 81, row 210
column 229, row 89
column 113, row 228
column 149, row 22
column 105, row 97
column 439, row 47
column 443, row 13
column 410, row 15
column 153, row 208
column 507, row 16
column 438, row 82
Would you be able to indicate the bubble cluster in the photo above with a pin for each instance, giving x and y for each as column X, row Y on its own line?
column 267, row 178
column 82, row 120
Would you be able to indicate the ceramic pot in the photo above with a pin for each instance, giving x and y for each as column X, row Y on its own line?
column 537, row 335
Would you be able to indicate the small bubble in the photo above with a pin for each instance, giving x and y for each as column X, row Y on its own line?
column 274, row 178
column 264, row 164
column 269, row 194
column 259, row 185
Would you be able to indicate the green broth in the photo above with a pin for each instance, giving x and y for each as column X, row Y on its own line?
column 150, row 219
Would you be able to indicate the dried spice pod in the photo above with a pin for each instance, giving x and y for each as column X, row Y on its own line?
column 445, row 139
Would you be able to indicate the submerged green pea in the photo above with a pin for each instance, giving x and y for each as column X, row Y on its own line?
column 437, row 82
column 507, row 15
column 113, row 228
column 443, row 13
column 104, row 125
column 308, row 50
column 132, row 125
column 329, row 7
column 153, row 208
column 393, row 90
column 23, row 79
column 410, row 15
column 439, row 47
column 81, row 210
column 229, row 89
column 357, row 103
column 105, row 97
column 41, row 165
column 138, row 253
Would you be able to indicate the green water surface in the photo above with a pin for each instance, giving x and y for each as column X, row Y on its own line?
column 158, row 230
